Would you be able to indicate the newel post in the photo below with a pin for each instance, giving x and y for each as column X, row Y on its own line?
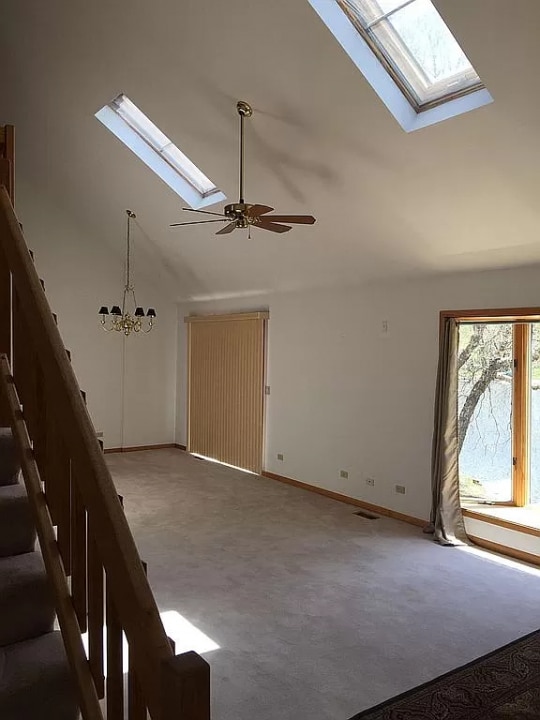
column 185, row 688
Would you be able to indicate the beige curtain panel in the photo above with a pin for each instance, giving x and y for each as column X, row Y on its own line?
column 446, row 516
column 226, row 388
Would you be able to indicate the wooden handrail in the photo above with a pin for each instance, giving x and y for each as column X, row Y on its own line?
column 50, row 394
column 132, row 595
column 49, row 549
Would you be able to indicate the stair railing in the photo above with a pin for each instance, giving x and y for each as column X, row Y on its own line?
column 68, row 482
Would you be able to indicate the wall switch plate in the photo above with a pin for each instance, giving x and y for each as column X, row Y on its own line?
column 343, row 474
column 267, row 389
column 400, row 489
column 280, row 456
column 370, row 481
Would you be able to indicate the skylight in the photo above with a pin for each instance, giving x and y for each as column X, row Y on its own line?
column 417, row 48
column 130, row 125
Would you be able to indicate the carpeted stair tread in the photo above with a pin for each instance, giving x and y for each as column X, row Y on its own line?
column 9, row 465
column 35, row 681
column 17, row 532
column 26, row 604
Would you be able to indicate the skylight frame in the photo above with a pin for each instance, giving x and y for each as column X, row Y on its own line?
column 143, row 137
column 391, row 65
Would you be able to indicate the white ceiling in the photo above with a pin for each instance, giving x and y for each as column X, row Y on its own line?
column 459, row 195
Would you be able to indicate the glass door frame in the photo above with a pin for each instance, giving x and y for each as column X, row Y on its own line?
column 520, row 317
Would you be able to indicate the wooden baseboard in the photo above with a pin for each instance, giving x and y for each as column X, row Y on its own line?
column 346, row 499
column 505, row 550
column 180, row 447
column 139, row 448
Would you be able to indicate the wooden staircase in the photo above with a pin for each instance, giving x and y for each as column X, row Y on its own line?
column 94, row 572
column 35, row 680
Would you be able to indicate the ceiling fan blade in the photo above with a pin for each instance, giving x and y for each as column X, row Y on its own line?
column 257, row 210
column 227, row 229
column 198, row 222
column 273, row 227
column 205, row 212
column 299, row 219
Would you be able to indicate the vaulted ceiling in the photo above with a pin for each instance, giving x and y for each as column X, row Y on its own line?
column 458, row 195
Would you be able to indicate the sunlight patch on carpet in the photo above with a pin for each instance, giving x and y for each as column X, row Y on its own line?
column 499, row 560
column 185, row 635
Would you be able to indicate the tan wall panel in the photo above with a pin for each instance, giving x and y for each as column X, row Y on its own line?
column 226, row 390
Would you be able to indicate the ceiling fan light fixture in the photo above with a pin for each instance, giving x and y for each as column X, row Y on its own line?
column 242, row 215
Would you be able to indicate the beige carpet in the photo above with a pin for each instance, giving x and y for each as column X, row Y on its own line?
column 318, row 613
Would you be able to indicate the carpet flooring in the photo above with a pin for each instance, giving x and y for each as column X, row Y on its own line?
column 317, row 613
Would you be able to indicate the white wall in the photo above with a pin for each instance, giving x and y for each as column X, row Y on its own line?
column 344, row 395
column 130, row 382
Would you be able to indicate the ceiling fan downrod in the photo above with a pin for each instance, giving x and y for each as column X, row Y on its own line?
column 244, row 110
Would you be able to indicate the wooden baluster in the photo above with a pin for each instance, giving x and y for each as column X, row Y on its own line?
column 5, row 323
column 27, row 377
column 115, row 669
column 53, row 449
column 22, row 361
column 5, row 170
column 95, row 611
column 136, row 704
column 39, row 414
column 78, row 553
column 62, row 493
column 9, row 154
column 5, row 306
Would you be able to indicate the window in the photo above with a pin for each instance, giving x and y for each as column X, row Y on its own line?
column 123, row 118
column 417, row 48
column 408, row 55
column 499, row 409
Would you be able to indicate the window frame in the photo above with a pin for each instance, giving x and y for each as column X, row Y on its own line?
column 392, row 69
column 521, row 318
column 143, row 143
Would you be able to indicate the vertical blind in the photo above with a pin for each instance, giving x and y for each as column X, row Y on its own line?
column 226, row 366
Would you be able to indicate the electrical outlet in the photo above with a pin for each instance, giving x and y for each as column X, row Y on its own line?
column 370, row 481
column 384, row 327
column 400, row 489
column 267, row 389
column 343, row 474
column 280, row 456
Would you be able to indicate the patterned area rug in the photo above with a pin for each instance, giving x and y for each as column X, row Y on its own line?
column 504, row 685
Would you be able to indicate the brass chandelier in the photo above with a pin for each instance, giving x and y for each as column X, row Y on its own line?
column 120, row 318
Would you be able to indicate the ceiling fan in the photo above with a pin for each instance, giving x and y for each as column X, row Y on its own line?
column 242, row 214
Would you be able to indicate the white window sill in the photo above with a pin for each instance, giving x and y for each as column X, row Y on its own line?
column 522, row 519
